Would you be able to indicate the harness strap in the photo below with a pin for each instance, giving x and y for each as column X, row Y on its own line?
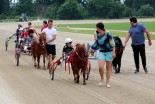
column 67, row 61
column 69, row 67
column 121, row 50
column 65, row 65
column 79, row 56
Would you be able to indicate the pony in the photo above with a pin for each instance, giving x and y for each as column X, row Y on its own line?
column 116, row 63
column 79, row 61
column 39, row 49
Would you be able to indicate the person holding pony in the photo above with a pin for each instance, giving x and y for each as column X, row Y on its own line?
column 136, row 32
column 50, row 41
column 106, row 46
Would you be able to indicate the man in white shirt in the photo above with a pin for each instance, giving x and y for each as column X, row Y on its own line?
column 50, row 40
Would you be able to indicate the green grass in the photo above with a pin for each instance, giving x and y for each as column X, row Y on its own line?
column 111, row 26
column 115, row 33
column 76, row 31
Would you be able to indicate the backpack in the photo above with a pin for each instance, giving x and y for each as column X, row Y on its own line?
column 104, row 45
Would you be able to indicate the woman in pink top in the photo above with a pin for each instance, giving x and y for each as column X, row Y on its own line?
column 32, row 28
column 44, row 25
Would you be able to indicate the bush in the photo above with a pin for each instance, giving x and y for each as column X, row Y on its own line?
column 2, row 16
column 70, row 10
column 52, row 11
column 146, row 10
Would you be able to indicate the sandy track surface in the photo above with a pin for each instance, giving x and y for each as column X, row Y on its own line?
column 27, row 85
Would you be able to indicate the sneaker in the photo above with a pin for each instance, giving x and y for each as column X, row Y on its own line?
column 100, row 83
column 108, row 86
column 136, row 71
column 145, row 69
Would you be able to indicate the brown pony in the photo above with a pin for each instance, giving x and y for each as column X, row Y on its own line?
column 39, row 49
column 79, row 61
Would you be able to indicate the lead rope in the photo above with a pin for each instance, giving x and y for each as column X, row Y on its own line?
column 67, row 61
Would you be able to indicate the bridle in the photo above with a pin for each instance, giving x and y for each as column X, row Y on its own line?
column 42, row 42
column 120, row 51
column 83, row 59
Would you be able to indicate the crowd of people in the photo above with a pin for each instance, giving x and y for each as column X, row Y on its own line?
column 104, row 42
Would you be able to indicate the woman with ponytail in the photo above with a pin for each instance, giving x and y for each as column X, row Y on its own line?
column 106, row 46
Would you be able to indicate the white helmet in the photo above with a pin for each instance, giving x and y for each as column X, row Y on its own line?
column 68, row 40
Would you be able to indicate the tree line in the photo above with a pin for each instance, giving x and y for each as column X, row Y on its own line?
column 78, row 9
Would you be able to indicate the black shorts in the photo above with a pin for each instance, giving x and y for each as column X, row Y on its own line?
column 51, row 49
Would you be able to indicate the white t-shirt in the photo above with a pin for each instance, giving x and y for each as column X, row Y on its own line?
column 49, row 34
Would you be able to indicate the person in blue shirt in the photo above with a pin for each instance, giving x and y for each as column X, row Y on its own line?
column 106, row 46
column 29, row 40
column 30, row 37
column 17, row 31
column 136, row 32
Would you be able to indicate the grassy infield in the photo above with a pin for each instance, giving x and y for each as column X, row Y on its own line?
column 121, row 28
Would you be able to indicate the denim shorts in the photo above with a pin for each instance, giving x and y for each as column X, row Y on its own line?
column 107, row 56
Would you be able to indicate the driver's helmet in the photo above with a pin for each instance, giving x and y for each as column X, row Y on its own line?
column 20, row 25
column 68, row 40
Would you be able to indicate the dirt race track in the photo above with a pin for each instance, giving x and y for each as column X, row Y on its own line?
column 27, row 85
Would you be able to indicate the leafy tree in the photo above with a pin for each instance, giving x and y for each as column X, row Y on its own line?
column 105, row 8
column 41, row 7
column 119, row 1
column 128, row 12
column 70, row 10
column 98, row 8
column 58, row 1
column 151, row 2
column 49, row 2
column 4, row 6
column 118, row 10
column 25, row 6
column 128, row 3
column 136, row 4
column 52, row 11
column 83, row 2
column 146, row 10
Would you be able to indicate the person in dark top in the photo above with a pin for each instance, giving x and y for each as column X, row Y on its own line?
column 68, row 48
column 30, row 37
column 136, row 32
column 17, row 31
column 106, row 46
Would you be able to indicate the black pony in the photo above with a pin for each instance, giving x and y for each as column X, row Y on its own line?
column 119, row 52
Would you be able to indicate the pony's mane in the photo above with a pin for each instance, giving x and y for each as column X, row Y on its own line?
column 42, row 37
column 78, row 44
column 119, row 40
column 80, row 47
